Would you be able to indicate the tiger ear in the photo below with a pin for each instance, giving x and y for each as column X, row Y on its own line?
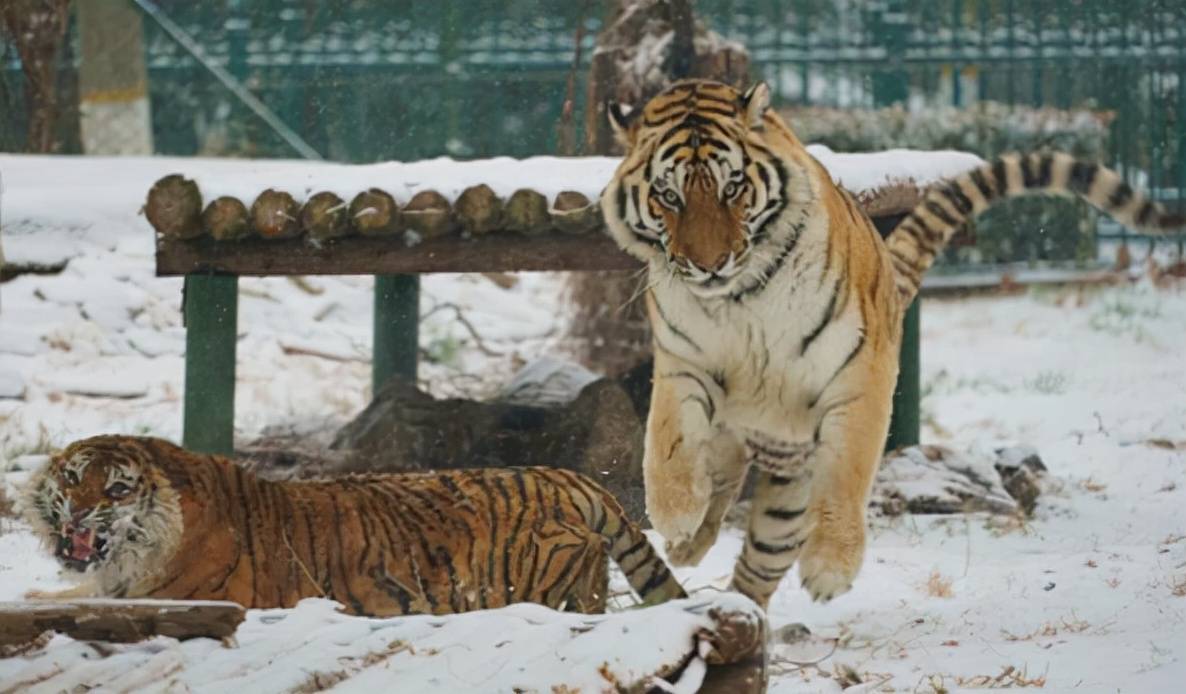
column 621, row 119
column 755, row 102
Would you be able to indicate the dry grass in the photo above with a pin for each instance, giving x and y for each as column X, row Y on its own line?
column 938, row 586
column 321, row 681
column 1074, row 625
column 7, row 507
column 1009, row 678
column 1178, row 587
column 1092, row 486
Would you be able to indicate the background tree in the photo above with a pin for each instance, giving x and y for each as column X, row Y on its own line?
column 645, row 46
column 37, row 28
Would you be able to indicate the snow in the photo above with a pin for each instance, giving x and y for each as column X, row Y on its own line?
column 1087, row 594
column 519, row 648
column 103, row 190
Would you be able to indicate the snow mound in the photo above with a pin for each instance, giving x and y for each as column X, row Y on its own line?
column 314, row 646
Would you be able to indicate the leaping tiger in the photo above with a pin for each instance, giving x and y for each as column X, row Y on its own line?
column 141, row 517
column 776, row 309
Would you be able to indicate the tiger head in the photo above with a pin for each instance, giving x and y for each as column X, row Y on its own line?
column 701, row 190
column 102, row 506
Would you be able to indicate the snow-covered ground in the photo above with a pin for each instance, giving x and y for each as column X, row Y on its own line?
column 1089, row 595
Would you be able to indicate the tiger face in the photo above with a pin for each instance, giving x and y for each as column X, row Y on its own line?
column 699, row 193
column 100, row 507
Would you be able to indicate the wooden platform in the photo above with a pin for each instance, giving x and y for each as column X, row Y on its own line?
column 494, row 252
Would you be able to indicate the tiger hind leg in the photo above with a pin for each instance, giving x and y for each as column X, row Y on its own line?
column 590, row 590
column 779, row 525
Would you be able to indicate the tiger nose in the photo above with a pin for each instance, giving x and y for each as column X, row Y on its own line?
column 720, row 261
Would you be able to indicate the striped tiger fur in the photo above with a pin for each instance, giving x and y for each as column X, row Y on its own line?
column 776, row 309
column 946, row 208
column 141, row 517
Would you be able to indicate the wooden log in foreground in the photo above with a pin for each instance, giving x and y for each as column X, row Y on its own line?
column 121, row 621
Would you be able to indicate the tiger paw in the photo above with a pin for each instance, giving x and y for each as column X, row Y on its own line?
column 678, row 493
column 688, row 552
column 827, row 568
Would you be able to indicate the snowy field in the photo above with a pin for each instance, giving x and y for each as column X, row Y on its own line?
column 1088, row 596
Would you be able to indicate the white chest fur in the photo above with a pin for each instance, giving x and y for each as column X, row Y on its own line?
column 774, row 351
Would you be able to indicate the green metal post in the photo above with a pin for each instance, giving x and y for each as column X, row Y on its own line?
column 211, row 322
column 892, row 85
column 905, row 424
column 397, row 318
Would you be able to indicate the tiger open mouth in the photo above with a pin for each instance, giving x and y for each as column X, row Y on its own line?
column 80, row 548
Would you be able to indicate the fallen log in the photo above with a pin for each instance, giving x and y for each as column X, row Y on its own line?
column 120, row 621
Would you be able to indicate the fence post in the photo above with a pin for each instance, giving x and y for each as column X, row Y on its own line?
column 397, row 319
column 891, row 86
column 211, row 312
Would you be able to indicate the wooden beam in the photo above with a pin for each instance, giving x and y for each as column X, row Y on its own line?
column 121, row 621
column 494, row 252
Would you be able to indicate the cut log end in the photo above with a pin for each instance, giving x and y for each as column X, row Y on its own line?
column 527, row 212
column 428, row 214
column 324, row 216
column 174, row 207
column 374, row 213
column 275, row 214
column 225, row 219
column 573, row 213
column 479, row 209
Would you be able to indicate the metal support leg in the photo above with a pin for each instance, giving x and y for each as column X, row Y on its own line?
column 211, row 323
column 397, row 324
column 905, row 423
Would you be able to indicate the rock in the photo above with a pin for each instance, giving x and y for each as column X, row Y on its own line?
column 552, row 414
column 546, row 382
column 934, row 479
column 1021, row 471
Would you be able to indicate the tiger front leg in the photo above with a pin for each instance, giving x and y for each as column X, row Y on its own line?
column 676, row 457
column 86, row 589
column 844, row 464
column 726, row 466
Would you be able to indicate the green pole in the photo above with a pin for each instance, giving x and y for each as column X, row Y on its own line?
column 892, row 85
column 397, row 318
column 211, row 309
column 905, row 423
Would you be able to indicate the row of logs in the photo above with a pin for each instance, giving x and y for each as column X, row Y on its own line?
column 174, row 208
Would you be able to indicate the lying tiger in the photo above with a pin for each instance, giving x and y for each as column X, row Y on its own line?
column 777, row 315
column 141, row 517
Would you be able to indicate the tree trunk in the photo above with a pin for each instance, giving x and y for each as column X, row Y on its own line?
column 37, row 28
column 608, row 323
